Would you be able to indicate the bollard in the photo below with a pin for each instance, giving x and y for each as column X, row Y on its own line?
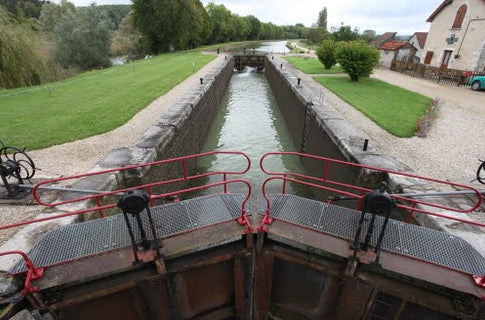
column 281, row 66
column 201, row 80
column 299, row 80
column 366, row 143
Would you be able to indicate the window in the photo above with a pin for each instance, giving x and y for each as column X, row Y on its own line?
column 446, row 58
column 429, row 56
column 460, row 16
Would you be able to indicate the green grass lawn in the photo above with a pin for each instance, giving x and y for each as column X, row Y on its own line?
column 312, row 65
column 394, row 109
column 91, row 103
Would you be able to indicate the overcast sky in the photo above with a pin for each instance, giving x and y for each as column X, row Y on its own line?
column 402, row 16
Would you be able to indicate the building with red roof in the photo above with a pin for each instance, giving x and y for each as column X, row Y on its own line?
column 395, row 50
column 456, row 37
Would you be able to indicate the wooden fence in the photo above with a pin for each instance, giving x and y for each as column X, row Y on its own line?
column 452, row 77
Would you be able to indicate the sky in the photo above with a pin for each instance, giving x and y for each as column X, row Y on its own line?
column 402, row 16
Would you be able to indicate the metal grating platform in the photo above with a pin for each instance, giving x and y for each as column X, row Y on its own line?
column 411, row 240
column 97, row 236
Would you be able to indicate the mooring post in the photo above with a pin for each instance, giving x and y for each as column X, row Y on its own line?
column 366, row 144
column 201, row 80
column 281, row 66
column 299, row 81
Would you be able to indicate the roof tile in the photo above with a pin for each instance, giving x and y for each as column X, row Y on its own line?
column 392, row 45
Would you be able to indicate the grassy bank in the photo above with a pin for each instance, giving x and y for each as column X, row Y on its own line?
column 312, row 65
column 91, row 103
column 394, row 109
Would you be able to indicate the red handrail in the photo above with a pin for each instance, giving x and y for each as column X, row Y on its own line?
column 148, row 187
column 360, row 191
column 33, row 273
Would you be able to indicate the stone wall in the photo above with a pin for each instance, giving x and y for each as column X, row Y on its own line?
column 318, row 129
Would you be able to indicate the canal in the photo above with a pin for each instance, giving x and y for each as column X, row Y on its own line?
column 249, row 120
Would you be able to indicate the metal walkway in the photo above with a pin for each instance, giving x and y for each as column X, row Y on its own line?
column 97, row 236
column 406, row 239
column 93, row 237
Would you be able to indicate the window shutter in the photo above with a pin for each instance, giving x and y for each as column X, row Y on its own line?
column 460, row 16
column 429, row 56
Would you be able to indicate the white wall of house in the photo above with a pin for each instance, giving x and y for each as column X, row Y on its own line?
column 467, row 53
column 403, row 54
column 415, row 43
column 386, row 58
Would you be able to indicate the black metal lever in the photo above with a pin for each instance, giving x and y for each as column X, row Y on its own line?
column 134, row 202
column 377, row 202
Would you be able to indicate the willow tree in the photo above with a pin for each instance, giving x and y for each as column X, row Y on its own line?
column 178, row 24
column 82, row 38
column 20, row 61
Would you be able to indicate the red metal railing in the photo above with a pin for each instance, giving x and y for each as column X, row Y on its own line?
column 357, row 192
column 33, row 273
column 98, row 196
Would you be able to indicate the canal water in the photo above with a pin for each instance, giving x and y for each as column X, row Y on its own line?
column 249, row 120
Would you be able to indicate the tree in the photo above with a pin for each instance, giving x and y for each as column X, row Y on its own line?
column 254, row 27
column 345, row 33
column 129, row 42
column 52, row 13
column 322, row 19
column 326, row 53
column 357, row 59
column 221, row 19
column 242, row 28
column 368, row 36
column 197, row 27
column 82, row 39
column 167, row 24
column 116, row 13
column 20, row 61
column 316, row 35
column 23, row 8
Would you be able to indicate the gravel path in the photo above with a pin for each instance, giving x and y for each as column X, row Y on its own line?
column 80, row 156
column 453, row 145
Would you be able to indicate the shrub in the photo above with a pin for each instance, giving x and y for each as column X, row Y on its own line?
column 357, row 59
column 20, row 62
column 326, row 53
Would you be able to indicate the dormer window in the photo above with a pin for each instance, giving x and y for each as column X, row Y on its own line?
column 460, row 16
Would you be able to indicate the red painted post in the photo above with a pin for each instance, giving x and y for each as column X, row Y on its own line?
column 33, row 273
column 325, row 173
column 149, row 192
column 284, row 184
column 411, row 213
column 224, row 176
column 98, row 203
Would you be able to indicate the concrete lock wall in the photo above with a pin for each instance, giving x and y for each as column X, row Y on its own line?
column 318, row 129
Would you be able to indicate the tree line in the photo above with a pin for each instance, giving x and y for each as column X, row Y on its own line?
column 41, row 41
column 58, row 40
